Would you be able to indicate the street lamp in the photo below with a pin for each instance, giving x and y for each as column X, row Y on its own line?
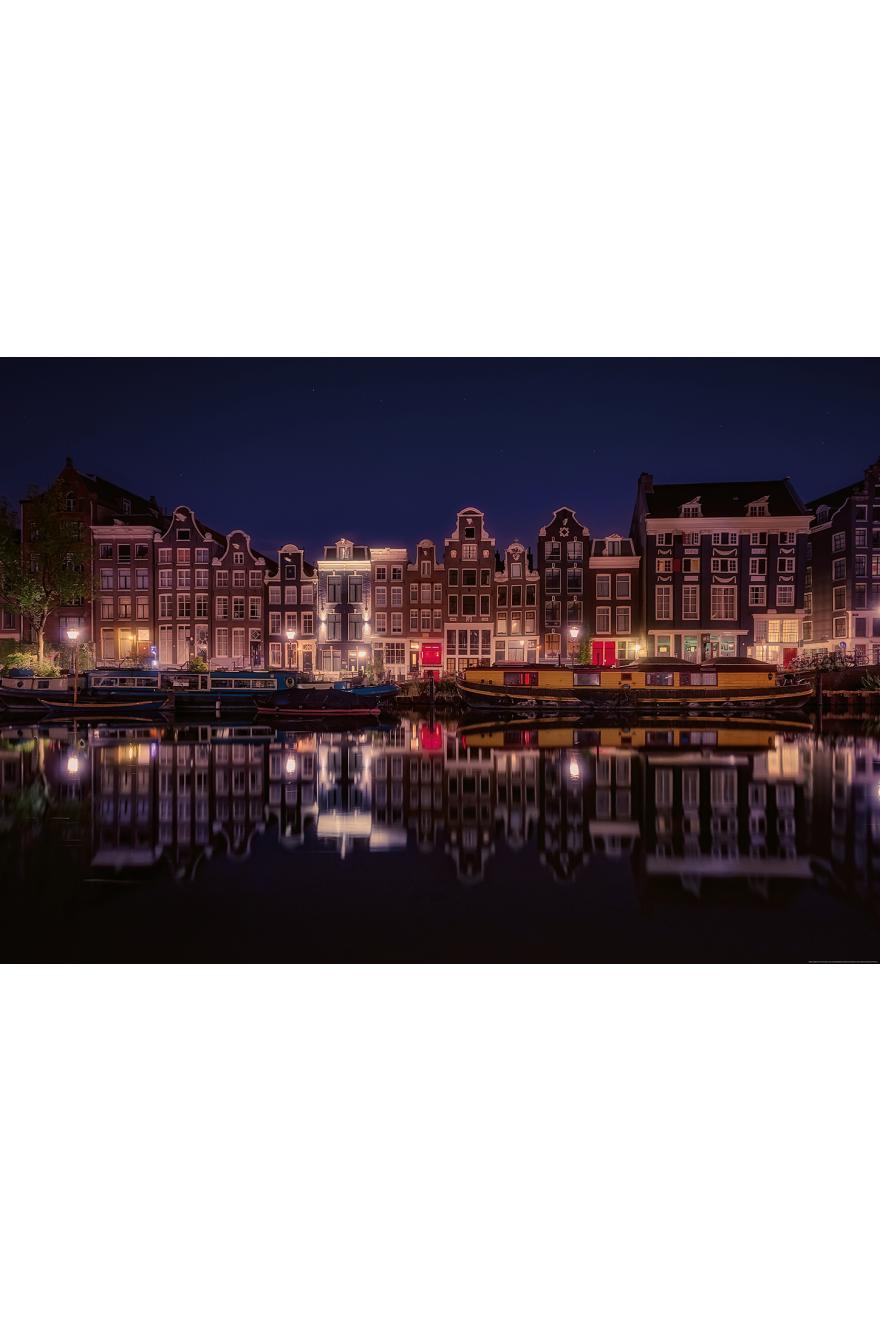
column 291, row 635
column 73, row 634
column 573, row 633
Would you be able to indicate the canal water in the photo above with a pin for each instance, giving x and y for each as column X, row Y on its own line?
column 438, row 840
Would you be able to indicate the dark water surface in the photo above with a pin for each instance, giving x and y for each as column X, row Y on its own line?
column 439, row 841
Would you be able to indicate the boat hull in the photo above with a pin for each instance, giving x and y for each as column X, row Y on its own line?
column 594, row 699
column 107, row 706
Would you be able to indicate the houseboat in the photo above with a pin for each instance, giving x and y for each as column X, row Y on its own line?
column 107, row 692
column 22, row 689
column 224, row 691
column 657, row 684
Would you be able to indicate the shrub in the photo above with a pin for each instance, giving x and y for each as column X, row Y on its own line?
column 198, row 666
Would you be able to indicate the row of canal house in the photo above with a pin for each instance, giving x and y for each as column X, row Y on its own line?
column 707, row 570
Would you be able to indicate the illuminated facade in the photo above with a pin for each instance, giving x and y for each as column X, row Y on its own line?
column 425, row 580
column 345, row 582
column 469, row 560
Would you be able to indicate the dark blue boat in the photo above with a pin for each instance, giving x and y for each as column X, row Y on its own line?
column 379, row 692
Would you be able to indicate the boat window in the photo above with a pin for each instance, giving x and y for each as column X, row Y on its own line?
column 659, row 677
column 699, row 677
column 42, row 683
column 658, row 738
column 527, row 677
column 586, row 677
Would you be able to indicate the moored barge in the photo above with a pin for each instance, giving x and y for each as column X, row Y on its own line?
column 657, row 684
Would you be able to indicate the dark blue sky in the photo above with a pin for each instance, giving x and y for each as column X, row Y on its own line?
column 387, row 450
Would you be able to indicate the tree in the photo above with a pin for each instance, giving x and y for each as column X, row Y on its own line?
column 47, row 570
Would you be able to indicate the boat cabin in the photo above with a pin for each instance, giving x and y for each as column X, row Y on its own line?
column 124, row 681
column 650, row 673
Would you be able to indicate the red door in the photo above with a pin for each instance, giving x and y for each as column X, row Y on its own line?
column 604, row 653
column 788, row 655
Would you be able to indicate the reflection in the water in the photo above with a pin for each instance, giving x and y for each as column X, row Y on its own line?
column 722, row 814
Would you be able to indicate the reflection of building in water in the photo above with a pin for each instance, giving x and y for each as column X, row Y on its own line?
column 717, row 816
column 588, row 805
column 846, row 814
column 718, row 813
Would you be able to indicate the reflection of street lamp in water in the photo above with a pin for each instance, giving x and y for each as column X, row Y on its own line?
column 73, row 634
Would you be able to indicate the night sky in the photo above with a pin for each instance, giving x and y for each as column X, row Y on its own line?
column 386, row 451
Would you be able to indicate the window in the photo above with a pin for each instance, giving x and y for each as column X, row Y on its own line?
column 665, row 566
column 106, row 580
column 469, row 551
column 861, row 566
column 553, row 550
column 307, row 594
column 663, row 601
column 165, row 606
column 438, row 621
column 255, row 578
column 575, row 549
column 254, row 607
column 786, row 566
column 183, row 606
column 663, row 539
column 758, row 596
column 660, row 679
column 502, row 597
column 201, row 555
column 861, row 537
column 622, row 619
column 164, row 555
column 690, row 602
column 452, row 578
column 307, row 622
column 468, row 605
column 183, row 578
column 862, row 512
column 839, row 599
column 720, row 566
column 484, row 604
column 808, row 602
column 238, row 608
column 860, row 596
column 238, row 559
column 142, row 579
column 453, row 604
column 785, row 594
column 603, row 619
column 355, row 590
column 426, row 621
column 183, row 534
column 107, row 608
column 838, row 568
column 691, row 565
column 623, row 586
column 839, row 627
column 397, row 596
column 757, row 539
column 201, row 605
column 758, row 566
column 413, row 621
column 425, row 568
column 838, row 541
column 723, row 603
column 396, row 622
column 238, row 578
column 381, row 595
column 274, row 621
column 724, row 539
column 691, row 537
column 222, row 606
column 221, row 578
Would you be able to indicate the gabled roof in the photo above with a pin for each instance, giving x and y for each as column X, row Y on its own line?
column 835, row 499
column 722, row 499
column 626, row 546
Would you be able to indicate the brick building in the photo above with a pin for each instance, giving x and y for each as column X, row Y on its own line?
column 469, row 561
column 563, row 545
column 292, row 596
column 425, row 580
column 517, row 599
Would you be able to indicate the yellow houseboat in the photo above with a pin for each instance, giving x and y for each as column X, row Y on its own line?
column 657, row 684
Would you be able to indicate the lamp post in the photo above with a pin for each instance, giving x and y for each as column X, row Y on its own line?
column 573, row 633
column 291, row 635
column 73, row 635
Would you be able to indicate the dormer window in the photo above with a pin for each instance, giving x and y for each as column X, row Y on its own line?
column 126, row 505
column 822, row 513
column 691, row 510
column 758, row 509
column 470, row 534
column 70, row 503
